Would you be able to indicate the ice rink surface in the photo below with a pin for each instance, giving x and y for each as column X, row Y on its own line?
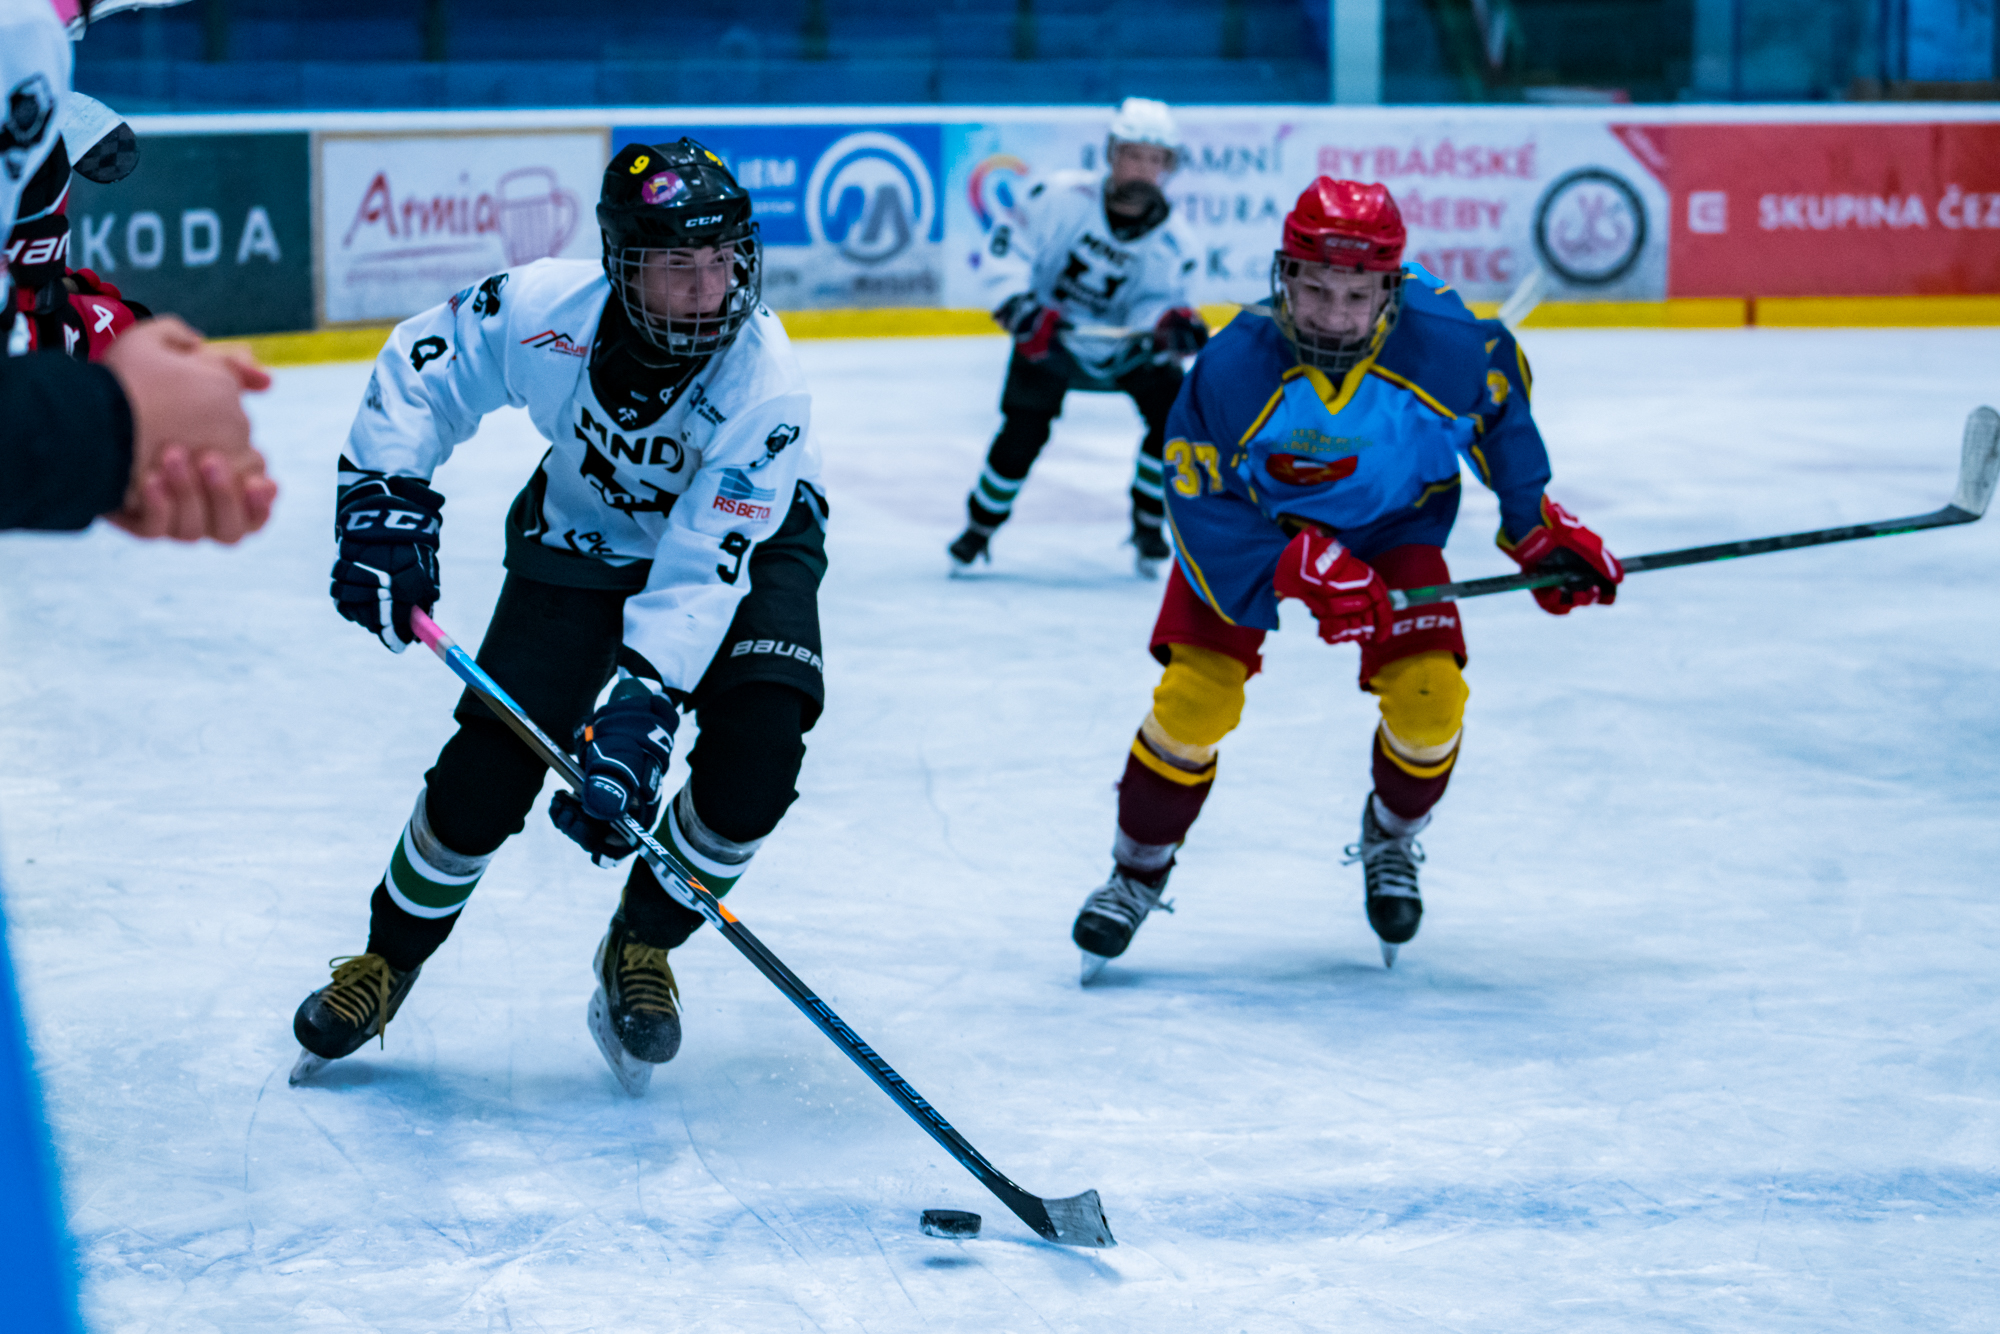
column 1702, row 1031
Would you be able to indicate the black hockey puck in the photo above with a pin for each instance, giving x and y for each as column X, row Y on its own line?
column 952, row 1224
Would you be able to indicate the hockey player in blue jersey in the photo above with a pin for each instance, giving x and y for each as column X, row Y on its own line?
column 1314, row 453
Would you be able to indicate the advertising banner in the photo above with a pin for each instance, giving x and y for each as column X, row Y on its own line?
column 1847, row 210
column 215, row 228
column 408, row 219
column 1485, row 198
column 851, row 215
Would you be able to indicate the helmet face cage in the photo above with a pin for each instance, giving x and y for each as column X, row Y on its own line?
column 1329, row 352
column 688, row 333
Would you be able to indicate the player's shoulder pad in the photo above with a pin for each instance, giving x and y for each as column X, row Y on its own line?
column 550, row 283
column 1250, row 350
column 1075, row 178
column 1424, row 291
column 1438, row 343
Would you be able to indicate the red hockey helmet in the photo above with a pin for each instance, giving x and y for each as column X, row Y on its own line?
column 1346, row 224
column 1340, row 235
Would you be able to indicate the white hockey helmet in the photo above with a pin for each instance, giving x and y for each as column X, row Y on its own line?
column 1141, row 120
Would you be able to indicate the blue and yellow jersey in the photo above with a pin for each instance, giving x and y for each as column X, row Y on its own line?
column 1255, row 436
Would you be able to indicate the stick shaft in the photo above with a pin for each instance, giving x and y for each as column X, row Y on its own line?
column 1664, row 560
column 687, row 890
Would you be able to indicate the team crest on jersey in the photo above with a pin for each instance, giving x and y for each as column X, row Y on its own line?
column 663, row 188
column 1294, row 470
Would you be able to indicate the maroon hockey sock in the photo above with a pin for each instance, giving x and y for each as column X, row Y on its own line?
column 1403, row 792
column 1155, row 810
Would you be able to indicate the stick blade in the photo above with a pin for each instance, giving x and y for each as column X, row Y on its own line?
column 1078, row 1221
column 1979, row 464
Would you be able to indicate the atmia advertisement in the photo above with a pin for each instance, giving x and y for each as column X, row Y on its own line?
column 408, row 219
column 850, row 215
column 1486, row 200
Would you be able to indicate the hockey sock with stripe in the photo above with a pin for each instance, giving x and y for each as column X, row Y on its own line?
column 1407, row 788
column 992, row 499
column 1148, row 505
column 418, row 899
column 1154, row 810
column 426, row 878
column 652, row 914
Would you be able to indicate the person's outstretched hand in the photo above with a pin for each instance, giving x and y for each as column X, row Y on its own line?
column 195, row 473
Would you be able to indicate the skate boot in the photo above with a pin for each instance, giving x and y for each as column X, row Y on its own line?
column 357, row 1005
column 969, row 547
column 1150, row 549
column 1389, row 862
column 1111, row 915
column 635, row 1014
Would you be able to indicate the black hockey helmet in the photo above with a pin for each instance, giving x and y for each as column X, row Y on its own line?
column 661, row 198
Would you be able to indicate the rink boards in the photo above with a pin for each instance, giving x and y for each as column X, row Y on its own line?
column 878, row 220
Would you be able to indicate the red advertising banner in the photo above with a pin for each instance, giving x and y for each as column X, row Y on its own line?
column 1832, row 210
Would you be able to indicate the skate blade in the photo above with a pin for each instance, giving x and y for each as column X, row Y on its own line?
column 1389, row 954
column 1093, row 964
column 1147, row 569
column 306, row 1067
column 633, row 1075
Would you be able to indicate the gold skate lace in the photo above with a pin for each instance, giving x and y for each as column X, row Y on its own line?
column 645, row 982
column 360, row 988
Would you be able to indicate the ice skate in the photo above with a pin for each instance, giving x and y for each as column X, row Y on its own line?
column 635, row 1012
column 969, row 548
column 357, row 1005
column 1389, row 866
column 1111, row 916
column 1150, row 550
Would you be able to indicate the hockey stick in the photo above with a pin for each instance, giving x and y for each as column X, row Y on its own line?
column 1076, row 1221
column 1978, row 469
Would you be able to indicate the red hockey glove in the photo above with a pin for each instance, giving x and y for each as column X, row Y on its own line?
column 1345, row 595
column 1033, row 325
column 1562, row 544
column 1180, row 332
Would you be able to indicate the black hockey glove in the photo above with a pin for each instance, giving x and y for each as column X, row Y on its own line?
column 624, row 750
column 388, row 531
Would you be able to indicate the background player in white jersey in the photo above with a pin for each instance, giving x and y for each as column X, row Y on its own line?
column 1102, row 305
column 670, row 544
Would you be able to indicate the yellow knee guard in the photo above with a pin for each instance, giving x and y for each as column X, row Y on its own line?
column 1423, row 710
column 1198, row 702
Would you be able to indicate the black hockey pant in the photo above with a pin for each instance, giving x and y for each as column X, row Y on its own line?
column 554, row 649
column 1032, row 399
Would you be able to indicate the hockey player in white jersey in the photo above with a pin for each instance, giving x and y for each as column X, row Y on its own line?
column 1101, row 305
column 669, row 545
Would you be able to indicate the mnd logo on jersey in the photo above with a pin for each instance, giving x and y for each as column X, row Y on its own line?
column 742, row 497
